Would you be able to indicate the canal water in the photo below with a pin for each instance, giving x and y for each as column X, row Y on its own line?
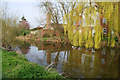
column 73, row 62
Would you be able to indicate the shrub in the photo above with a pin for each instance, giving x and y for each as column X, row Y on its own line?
column 54, row 34
column 23, row 32
column 46, row 35
column 9, row 30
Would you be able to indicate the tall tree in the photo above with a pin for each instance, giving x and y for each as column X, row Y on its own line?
column 91, row 13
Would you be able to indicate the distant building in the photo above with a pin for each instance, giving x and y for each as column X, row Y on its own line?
column 24, row 23
column 50, row 27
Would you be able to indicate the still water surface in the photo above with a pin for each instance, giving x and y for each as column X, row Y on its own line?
column 74, row 62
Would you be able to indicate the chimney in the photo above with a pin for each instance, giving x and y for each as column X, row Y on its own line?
column 48, row 23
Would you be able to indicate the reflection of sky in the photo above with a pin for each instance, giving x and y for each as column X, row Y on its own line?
column 28, row 9
column 36, row 56
column 40, row 56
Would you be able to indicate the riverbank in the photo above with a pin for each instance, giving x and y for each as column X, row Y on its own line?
column 53, row 40
column 17, row 66
column 37, row 36
column 28, row 38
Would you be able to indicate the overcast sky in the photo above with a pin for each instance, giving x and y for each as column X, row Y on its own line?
column 27, row 9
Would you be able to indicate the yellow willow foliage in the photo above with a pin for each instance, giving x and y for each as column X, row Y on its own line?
column 76, row 38
column 80, row 38
column 85, row 38
column 116, row 18
column 97, row 37
column 82, row 35
column 111, row 14
column 86, row 43
column 70, row 33
column 90, row 39
column 113, row 42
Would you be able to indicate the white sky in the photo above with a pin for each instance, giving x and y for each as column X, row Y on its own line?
column 29, row 9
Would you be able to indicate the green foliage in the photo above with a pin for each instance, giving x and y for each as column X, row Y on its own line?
column 63, row 38
column 106, row 39
column 34, row 29
column 46, row 35
column 54, row 34
column 119, row 44
column 9, row 30
column 44, row 39
column 17, row 66
column 23, row 18
column 23, row 32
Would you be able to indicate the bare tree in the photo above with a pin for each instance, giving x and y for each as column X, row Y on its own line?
column 57, row 10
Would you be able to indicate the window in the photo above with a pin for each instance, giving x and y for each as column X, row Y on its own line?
column 104, row 30
column 104, row 20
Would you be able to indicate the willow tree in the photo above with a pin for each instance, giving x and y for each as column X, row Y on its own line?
column 110, row 12
column 84, row 26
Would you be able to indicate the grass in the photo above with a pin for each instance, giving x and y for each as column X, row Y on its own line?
column 17, row 66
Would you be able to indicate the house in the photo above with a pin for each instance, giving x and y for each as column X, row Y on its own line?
column 92, row 17
column 104, row 25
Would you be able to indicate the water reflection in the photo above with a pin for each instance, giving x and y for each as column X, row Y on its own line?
column 20, row 47
column 76, row 62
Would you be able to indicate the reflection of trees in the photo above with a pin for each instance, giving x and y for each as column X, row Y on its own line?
column 21, row 46
column 56, row 60
column 84, row 63
column 92, row 65
column 53, row 53
column 48, row 58
column 51, row 48
column 24, row 47
column 64, row 56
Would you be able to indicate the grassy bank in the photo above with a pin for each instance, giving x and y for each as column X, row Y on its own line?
column 17, row 66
